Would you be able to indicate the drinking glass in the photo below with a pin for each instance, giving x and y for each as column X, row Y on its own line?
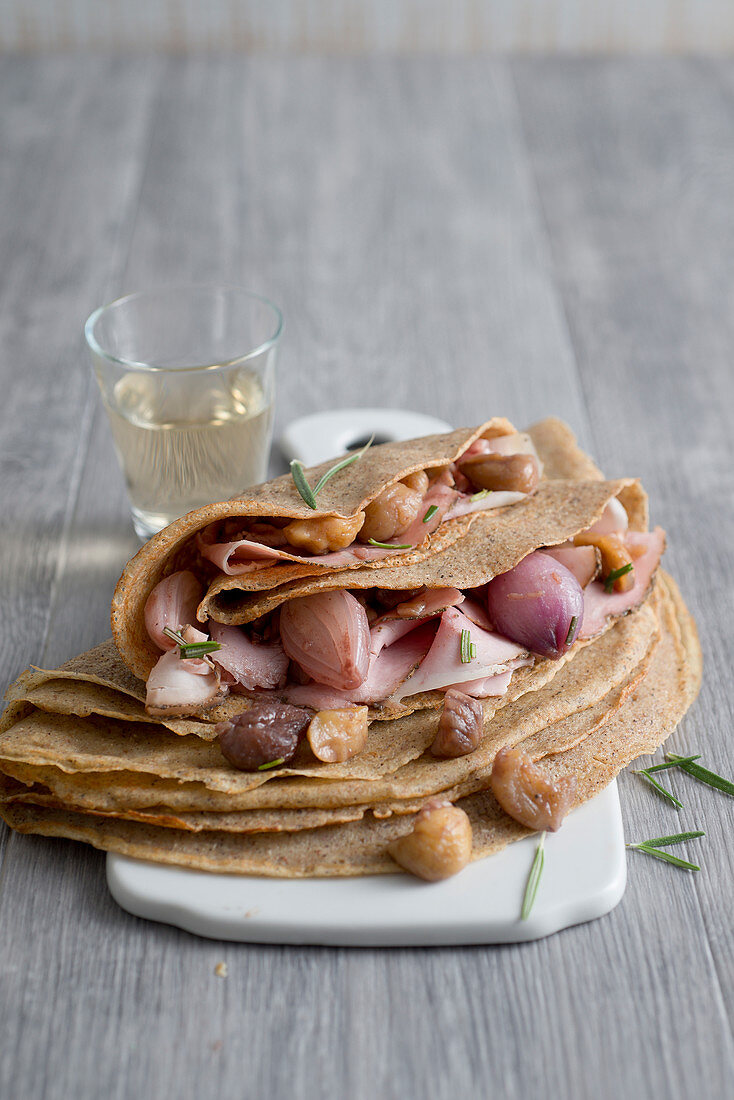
column 187, row 376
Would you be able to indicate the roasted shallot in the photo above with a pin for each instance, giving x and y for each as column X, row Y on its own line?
column 328, row 636
column 538, row 604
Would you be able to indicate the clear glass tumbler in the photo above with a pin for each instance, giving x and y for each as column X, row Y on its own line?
column 187, row 376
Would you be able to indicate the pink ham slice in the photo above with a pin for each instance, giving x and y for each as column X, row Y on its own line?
column 465, row 506
column 387, row 670
column 244, row 556
column 443, row 665
column 172, row 604
column 386, row 632
column 492, row 685
column 579, row 560
column 486, row 687
column 613, row 518
column 245, row 663
column 599, row 605
column 175, row 687
column 477, row 614
column 392, row 626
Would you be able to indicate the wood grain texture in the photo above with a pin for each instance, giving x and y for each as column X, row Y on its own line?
column 453, row 237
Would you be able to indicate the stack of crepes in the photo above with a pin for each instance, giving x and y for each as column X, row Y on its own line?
column 82, row 757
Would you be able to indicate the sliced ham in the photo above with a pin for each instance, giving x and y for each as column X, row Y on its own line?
column 495, row 685
column 246, row 663
column 385, row 632
column 443, row 665
column 172, row 604
column 465, row 506
column 487, row 686
column 174, row 687
column 600, row 605
column 244, row 556
column 613, row 518
column 582, row 561
column 476, row 612
column 388, row 668
column 393, row 625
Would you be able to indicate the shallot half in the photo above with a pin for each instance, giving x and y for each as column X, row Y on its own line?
column 328, row 636
column 538, row 604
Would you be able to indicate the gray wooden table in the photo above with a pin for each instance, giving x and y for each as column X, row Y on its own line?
column 462, row 237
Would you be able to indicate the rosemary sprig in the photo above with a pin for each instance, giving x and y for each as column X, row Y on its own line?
column 671, row 763
column 674, row 838
column 271, row 764
column 465, row 647
column 644, row 772
column 533, row 879
column 431, row 512
column 301, row 484
column 191, row 650
column 571, row 629
column 649, row 850
column 299, row 477
column 616, row 574
column 686, row 764
column 652, row 848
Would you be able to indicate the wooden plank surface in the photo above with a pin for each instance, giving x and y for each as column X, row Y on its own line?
column 461, row 238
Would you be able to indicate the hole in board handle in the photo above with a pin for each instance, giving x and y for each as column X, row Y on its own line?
column 364, row 440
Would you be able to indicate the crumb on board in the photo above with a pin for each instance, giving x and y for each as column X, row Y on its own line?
column 221, row 970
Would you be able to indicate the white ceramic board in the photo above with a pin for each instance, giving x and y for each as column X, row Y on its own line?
column 585, row 862
column 584, row 877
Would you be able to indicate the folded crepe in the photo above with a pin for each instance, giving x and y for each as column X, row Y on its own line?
column 388, row 638
column 420, row 490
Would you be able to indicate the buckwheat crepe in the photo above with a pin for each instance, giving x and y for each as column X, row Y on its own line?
column 601, row 743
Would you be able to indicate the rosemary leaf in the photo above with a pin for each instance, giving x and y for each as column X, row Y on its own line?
column 660, row 789
column 572, row 627
column 472, row 650
column 616, row 574
column 702, row 774
column 198, row 649
column 674, row 838
column 650, row 851
column 299, row 479
column 342, row 465
column 270, row 764
column 480, row 495
column 391, row 545
column 431, row 512
column 672, row 764
column 533, row 879
column 191, row 650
